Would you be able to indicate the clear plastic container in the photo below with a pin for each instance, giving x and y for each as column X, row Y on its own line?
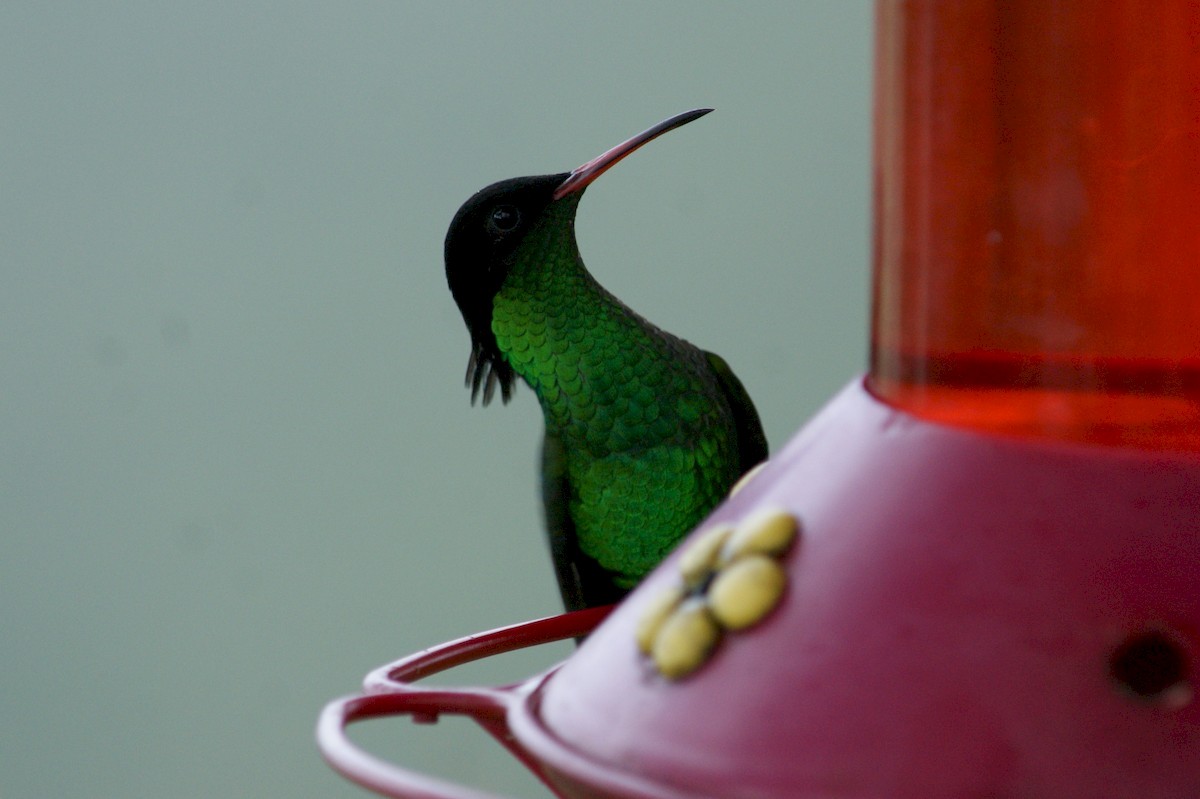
column 1037, row 251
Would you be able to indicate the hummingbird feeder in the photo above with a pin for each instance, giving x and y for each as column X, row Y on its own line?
column 976, row 572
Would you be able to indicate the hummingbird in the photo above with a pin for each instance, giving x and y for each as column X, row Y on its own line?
column 644, row 432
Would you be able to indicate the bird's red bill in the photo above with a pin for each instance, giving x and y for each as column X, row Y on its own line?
column 585, row 174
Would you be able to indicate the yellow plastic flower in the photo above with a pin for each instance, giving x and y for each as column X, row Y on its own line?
column 730, row 579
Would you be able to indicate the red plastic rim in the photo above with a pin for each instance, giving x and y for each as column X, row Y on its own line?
column 389, row 691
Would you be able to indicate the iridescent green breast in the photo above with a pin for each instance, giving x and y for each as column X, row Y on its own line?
column 648, row 436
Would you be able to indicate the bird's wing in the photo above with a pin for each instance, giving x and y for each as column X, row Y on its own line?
column 582, row 581
column 751, row 441
column 560, row 530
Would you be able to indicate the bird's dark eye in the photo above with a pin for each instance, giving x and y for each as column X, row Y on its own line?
column 504, row 218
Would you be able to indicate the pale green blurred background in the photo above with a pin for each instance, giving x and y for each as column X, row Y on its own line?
column 239, row 467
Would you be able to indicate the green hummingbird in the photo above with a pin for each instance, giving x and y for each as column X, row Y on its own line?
column 645, row 433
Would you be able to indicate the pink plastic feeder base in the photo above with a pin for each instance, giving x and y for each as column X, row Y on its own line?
column 966, row 615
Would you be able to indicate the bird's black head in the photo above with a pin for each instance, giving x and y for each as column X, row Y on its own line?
column 480, row 247
column 486, row 233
